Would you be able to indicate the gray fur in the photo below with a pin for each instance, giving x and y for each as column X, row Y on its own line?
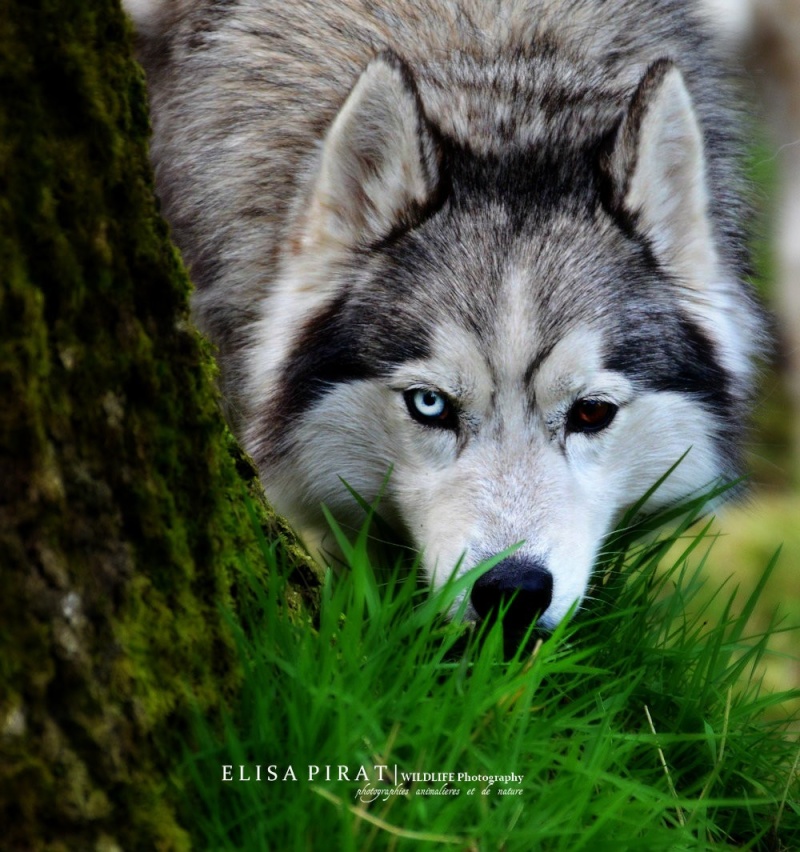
column 519, row 222
column 259, row 84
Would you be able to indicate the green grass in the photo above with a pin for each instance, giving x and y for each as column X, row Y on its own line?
column 636, row 726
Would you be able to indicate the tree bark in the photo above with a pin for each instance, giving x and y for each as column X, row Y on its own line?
column 122, row 519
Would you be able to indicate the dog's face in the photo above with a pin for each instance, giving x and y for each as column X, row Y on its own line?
column 508, row 339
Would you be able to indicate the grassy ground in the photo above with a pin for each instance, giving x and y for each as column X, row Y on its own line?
column 637, row 726
column 748, row 535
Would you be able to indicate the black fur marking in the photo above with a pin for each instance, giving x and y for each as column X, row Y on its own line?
column 526, row 182
column 537, row 362
column 679, row 357
column 349, row 341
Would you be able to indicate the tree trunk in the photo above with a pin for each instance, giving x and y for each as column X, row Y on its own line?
column 122, row 519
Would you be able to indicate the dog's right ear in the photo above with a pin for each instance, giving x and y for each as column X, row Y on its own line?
column 380, row 166
column 655, row 175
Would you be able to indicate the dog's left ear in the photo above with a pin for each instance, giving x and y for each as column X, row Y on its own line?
column 655, row 174
column 379, row 169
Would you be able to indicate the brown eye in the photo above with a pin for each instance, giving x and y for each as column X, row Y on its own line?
column 590, row 415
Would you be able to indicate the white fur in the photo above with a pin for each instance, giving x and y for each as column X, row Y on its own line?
column 512, row 475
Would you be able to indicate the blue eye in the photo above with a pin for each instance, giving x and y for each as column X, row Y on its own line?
column 431, row 408
column 429, row 404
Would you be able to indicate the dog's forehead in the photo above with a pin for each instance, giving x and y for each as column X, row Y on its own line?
column 563, row 261
column 507, row 292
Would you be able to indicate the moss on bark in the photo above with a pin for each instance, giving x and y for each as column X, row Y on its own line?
column 121, row 507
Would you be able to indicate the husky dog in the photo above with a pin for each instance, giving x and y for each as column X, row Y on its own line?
column 495, row 245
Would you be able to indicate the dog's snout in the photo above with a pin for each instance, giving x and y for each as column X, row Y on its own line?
column 524, row 582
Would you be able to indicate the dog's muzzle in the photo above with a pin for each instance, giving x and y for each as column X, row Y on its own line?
column 524, row 582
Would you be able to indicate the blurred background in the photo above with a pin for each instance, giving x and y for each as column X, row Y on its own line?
column 764, row 37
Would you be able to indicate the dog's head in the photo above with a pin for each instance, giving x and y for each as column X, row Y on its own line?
column 530, row 332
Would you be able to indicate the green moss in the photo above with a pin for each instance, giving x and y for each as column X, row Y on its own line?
column 123, row 506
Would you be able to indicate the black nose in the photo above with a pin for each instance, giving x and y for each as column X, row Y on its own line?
column 525, row 580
